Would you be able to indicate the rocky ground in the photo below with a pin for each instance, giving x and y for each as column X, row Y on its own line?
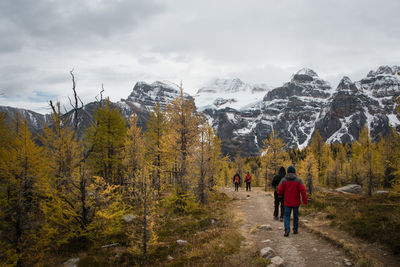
column 254, row 211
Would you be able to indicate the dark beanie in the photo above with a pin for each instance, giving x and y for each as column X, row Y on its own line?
column 291, row 169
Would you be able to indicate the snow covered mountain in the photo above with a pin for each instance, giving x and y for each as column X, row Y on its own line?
column 141, row 102
column 232, row 93
column 370, row 101
column 244, row 115
column 35, row 121
column 145, row 95
column 290, row 110
column 306, row 103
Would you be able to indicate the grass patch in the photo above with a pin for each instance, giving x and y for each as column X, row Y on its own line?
column 261, row 262
column 375, row 218
column 209, row 229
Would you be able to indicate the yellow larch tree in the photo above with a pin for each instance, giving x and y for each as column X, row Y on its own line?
column 62, row 206
column 366, row 163
column 307, row 169
column 156, row 148
column 24, row 172
column 183, row 129
column 273, row 156
column 106, row 138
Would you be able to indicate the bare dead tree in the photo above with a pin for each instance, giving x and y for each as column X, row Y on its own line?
column 52, row 107
column 101, row 95
column 75, row 105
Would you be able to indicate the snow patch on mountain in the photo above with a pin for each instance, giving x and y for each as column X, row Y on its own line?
column 393, row 120
column 232, row 93
column 308, row 72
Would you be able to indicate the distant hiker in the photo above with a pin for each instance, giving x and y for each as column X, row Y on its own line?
column 247, row 179
column 278, row 200
column 291, row 187
column 236, row 181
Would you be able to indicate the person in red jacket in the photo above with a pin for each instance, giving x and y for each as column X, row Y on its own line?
column 236, row 181
column 247, row 179
column 291, row 187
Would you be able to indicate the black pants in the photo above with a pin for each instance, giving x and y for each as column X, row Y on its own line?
column 248, row 186
column 278, row 201
column 237, row 187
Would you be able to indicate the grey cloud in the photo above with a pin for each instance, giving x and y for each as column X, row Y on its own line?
column 120, row 42
column 22, row 81
column 73, row 23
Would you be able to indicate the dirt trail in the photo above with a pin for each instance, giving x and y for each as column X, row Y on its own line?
column 304, row 249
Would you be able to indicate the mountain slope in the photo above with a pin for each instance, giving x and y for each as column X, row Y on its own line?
column 244, row 115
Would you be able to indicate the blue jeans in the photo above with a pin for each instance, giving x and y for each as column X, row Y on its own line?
column 288, row 211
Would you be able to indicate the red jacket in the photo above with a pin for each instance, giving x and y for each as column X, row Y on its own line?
column 247, row 179
column 291, row 187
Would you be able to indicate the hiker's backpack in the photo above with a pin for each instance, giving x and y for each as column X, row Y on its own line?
column 237, row 179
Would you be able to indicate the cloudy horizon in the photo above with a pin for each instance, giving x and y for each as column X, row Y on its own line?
column 117, row 43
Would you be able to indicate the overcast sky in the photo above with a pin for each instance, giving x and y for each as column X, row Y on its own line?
column 117, row 43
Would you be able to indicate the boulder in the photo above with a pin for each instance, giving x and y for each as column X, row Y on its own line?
column 382, row 192
column 182, row 242
column 277, row 261
column 170, row 258
column 267, row 253
column 265, row 227
column 129, row 217
column 347, row 262
column 71, row 262
column 350, row 188
column 110, row 245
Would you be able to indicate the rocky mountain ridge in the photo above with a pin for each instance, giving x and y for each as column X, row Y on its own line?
column 244, row 115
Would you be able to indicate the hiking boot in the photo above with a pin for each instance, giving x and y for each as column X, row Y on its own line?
column 286, row 233
column 281, row 219
column 275, row 218
column 295, row 232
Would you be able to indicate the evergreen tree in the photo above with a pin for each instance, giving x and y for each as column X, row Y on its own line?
column 207, row 161
column 106, row 138
column 367, row 164
column 388, row 148
column 134, row 152
column 317, row 147
column 307, row 169
column 214, row 159
column 183, row 124
column 155, row 146
column 274, row 156
column 68, row 208
column 24, row 173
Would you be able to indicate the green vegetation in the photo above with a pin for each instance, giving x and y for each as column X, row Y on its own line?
column 375, row 218
column 208, row 229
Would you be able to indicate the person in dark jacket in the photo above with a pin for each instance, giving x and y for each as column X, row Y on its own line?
column 291, row 187
column 236, row 181
column 277, row 199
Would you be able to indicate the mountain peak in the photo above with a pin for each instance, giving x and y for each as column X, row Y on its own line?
column 224, row 85
column 308, row 72
column 384, row 70
column 305, row 75
column 148, row 94
column 346, row 84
